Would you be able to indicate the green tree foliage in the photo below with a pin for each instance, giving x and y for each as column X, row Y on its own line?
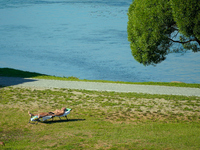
column 154, row 26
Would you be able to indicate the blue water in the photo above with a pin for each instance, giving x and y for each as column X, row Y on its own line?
column 86, row 39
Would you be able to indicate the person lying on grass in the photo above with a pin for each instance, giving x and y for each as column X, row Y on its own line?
column 57, row 112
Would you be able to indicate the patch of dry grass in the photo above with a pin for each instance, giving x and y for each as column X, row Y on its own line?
column 99, row 120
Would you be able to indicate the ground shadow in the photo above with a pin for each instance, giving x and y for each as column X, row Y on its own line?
column 10, row 81
column 61, row 121
column 9, row 76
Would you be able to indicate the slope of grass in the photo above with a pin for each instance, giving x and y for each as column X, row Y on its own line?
column 9, row 72
column 99, row 120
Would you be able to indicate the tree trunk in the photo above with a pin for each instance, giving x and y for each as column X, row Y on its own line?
column 198, row 41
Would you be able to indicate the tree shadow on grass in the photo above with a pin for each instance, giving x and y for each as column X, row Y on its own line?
column 10, row 81
column 10, row 77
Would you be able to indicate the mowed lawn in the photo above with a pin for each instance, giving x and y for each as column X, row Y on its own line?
column 99, row 120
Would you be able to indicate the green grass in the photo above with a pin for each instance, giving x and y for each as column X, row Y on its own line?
column 99, row 120
column 9, row 72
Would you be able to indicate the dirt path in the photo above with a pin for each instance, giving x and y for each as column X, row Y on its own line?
column 149, row 89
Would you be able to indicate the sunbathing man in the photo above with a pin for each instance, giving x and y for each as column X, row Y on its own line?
column 59, row 112
column 53, row 113
column 40, row 115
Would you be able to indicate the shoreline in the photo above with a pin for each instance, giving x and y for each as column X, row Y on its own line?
column 99, row 86
column 10, row 72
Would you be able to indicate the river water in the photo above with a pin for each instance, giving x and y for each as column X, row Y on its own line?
column 82, row 38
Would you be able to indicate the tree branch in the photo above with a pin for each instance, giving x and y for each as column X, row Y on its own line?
column 182, row 42
column 175, row 35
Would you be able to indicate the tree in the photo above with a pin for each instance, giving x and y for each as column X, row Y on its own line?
column 155, row 26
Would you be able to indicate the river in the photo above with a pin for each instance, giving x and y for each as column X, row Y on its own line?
column 85, row 39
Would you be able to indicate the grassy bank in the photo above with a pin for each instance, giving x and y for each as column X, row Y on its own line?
column 9, row 72
column 99, row 120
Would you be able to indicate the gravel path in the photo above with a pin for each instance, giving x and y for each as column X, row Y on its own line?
column 150, row 89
